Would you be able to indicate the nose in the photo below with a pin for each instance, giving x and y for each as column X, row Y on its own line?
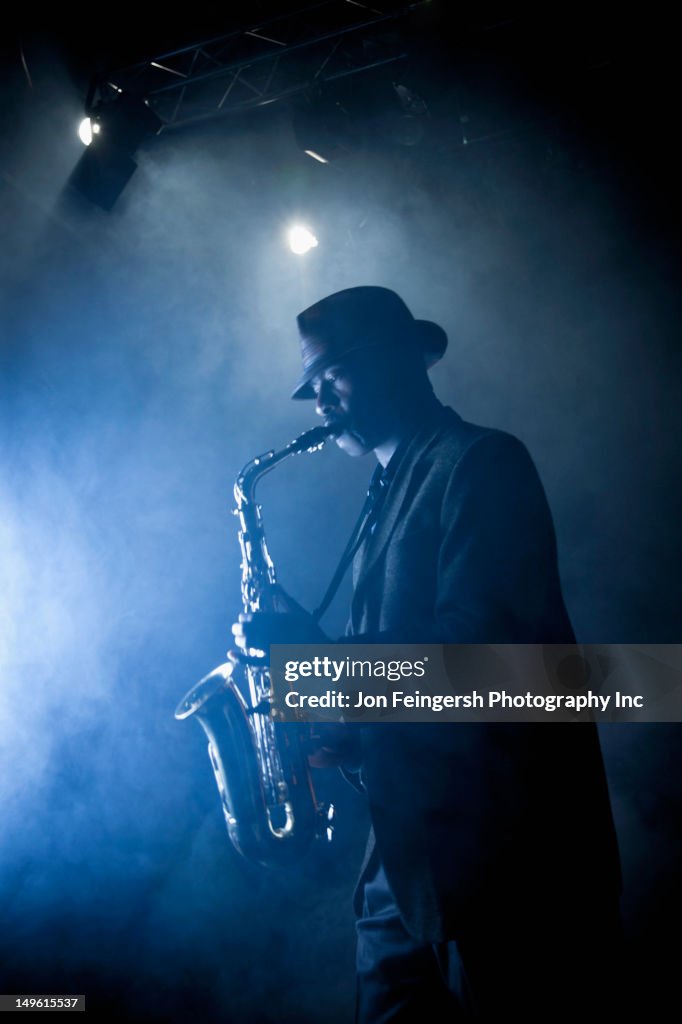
column 327, row 401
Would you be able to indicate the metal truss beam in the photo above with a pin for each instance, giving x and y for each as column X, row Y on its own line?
column 260, row 63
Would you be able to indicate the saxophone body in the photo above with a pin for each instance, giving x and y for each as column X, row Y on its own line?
column 260, row 765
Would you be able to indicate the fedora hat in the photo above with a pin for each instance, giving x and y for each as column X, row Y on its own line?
column 357, row 318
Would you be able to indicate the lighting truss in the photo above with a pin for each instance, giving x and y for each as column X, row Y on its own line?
column 260, row 63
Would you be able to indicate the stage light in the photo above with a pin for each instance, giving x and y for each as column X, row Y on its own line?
column 111, row 134
column 410, row 126
column 87, row 128
column 301, row 240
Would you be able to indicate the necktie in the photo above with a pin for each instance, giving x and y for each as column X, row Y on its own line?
column 366, row 524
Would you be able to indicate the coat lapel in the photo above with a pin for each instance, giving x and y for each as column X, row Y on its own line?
column 399, row 496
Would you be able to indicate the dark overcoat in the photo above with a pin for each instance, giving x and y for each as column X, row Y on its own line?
column 475, row 820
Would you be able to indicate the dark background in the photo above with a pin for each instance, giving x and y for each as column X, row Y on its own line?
column 148, row 352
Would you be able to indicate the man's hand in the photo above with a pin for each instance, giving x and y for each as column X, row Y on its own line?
column 339, row 744
column 332, row 744
column 289, row 623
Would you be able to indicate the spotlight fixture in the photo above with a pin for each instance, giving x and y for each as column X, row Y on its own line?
column 88, row 127
column 410, row 126
column 111, row 132
column 301, row 240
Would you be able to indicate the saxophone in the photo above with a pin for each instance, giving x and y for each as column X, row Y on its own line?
column 260, row 765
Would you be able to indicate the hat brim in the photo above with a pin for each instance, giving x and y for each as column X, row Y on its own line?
column 431, row 338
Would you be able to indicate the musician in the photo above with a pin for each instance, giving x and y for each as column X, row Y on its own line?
column 491, row 881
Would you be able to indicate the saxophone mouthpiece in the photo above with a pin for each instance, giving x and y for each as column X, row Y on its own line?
column 314, row 438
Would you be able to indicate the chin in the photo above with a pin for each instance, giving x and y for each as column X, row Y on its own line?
column 352, row 445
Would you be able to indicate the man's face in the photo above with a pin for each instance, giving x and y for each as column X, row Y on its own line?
column 351, row 394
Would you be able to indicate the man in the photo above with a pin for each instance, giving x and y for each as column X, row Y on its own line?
column 491, row 881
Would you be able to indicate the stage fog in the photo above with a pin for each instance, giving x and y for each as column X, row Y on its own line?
column 150, row 351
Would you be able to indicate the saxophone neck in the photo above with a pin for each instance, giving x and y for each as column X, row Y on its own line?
column 258, row 570
column 309, row 441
